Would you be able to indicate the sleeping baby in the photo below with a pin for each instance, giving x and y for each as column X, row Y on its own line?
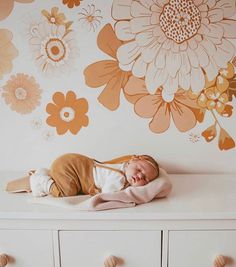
column 74, row 174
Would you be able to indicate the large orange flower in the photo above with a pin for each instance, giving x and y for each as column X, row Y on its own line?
column 22, row 93
column 7, row 6
column 183, row 110
column 7, row 52
column 68, row 113
column 107, row 71
column 71, row 3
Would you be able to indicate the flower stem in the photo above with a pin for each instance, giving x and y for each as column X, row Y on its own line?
column 216, row 120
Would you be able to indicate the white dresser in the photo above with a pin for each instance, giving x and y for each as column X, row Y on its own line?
column 194, row 227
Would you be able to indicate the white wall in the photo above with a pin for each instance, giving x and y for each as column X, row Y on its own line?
column 109, row 133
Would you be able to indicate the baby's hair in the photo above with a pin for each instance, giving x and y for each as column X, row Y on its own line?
column 149, row 160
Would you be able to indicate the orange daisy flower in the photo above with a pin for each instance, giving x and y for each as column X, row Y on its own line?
column 22, row 93
column 71, row 3
column 183, row 110
column 107, row 71
column 67, row 113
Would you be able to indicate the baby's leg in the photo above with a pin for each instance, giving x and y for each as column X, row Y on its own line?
column 40, row 182
column 65, row 180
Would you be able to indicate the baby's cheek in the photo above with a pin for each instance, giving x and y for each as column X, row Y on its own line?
column 141, row 183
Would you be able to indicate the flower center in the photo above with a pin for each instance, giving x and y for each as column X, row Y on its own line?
column 67, row 114
column 180, row 20
column 90, row 18
column 20, row 93
column 34, row 29
column 53, row 20
column 55, row 49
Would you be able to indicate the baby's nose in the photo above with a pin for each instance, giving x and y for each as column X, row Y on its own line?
column 140, row 175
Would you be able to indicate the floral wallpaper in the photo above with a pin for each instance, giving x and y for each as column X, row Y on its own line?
column 69, row 67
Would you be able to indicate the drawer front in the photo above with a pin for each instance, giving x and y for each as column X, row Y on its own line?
column 27, row 248
column 201, row 248
column 92, row 248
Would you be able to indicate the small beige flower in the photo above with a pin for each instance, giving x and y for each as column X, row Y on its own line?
column 22, row 93
column 8, row 52
column 90, row 17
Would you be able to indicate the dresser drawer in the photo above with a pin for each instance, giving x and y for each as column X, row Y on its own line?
column 92, row 248
column 200, row 248
column 27, row 248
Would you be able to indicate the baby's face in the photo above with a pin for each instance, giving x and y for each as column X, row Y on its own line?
column 139, row 172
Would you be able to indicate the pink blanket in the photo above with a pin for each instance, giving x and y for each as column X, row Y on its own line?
column 132, row 196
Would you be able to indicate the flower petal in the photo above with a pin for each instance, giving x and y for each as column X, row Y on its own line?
column 211, row 70
column 70, row 98
column 139, row 68
column 197, row 79
column 147, row 106
column 185, row 65
column 59, row 99
column 53, row 120
column 227, row 112
column 147, row 3
column 202, row 100
column 183, row 116
column 99, row 73
column 229, row 72
column 80, row 106
column 141, row 24
column 6, row 8
column 225, row 140
column 193, row 58
column 123, row 31
column 52, row 109
column 224, row 54
column 173, row 63
column 202, row 56
column 138, row 10
column 74, row 126
column 227, row 6
column 135, row 86
column 155, row 77
column 161, row 121
column 62, row 127
column 215, row 15
column 229, row 27
column 107, row 41
column 128, row 52
column 210, row 133
column 221, row 83
column 150, row 52
column 215, row 31
column 121, row 9
column 171, row 85
column 144, row 38
column 160, row 61
column 110, row 96
column 184, row 80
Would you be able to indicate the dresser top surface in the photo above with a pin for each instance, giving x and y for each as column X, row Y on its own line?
column 194, row 196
